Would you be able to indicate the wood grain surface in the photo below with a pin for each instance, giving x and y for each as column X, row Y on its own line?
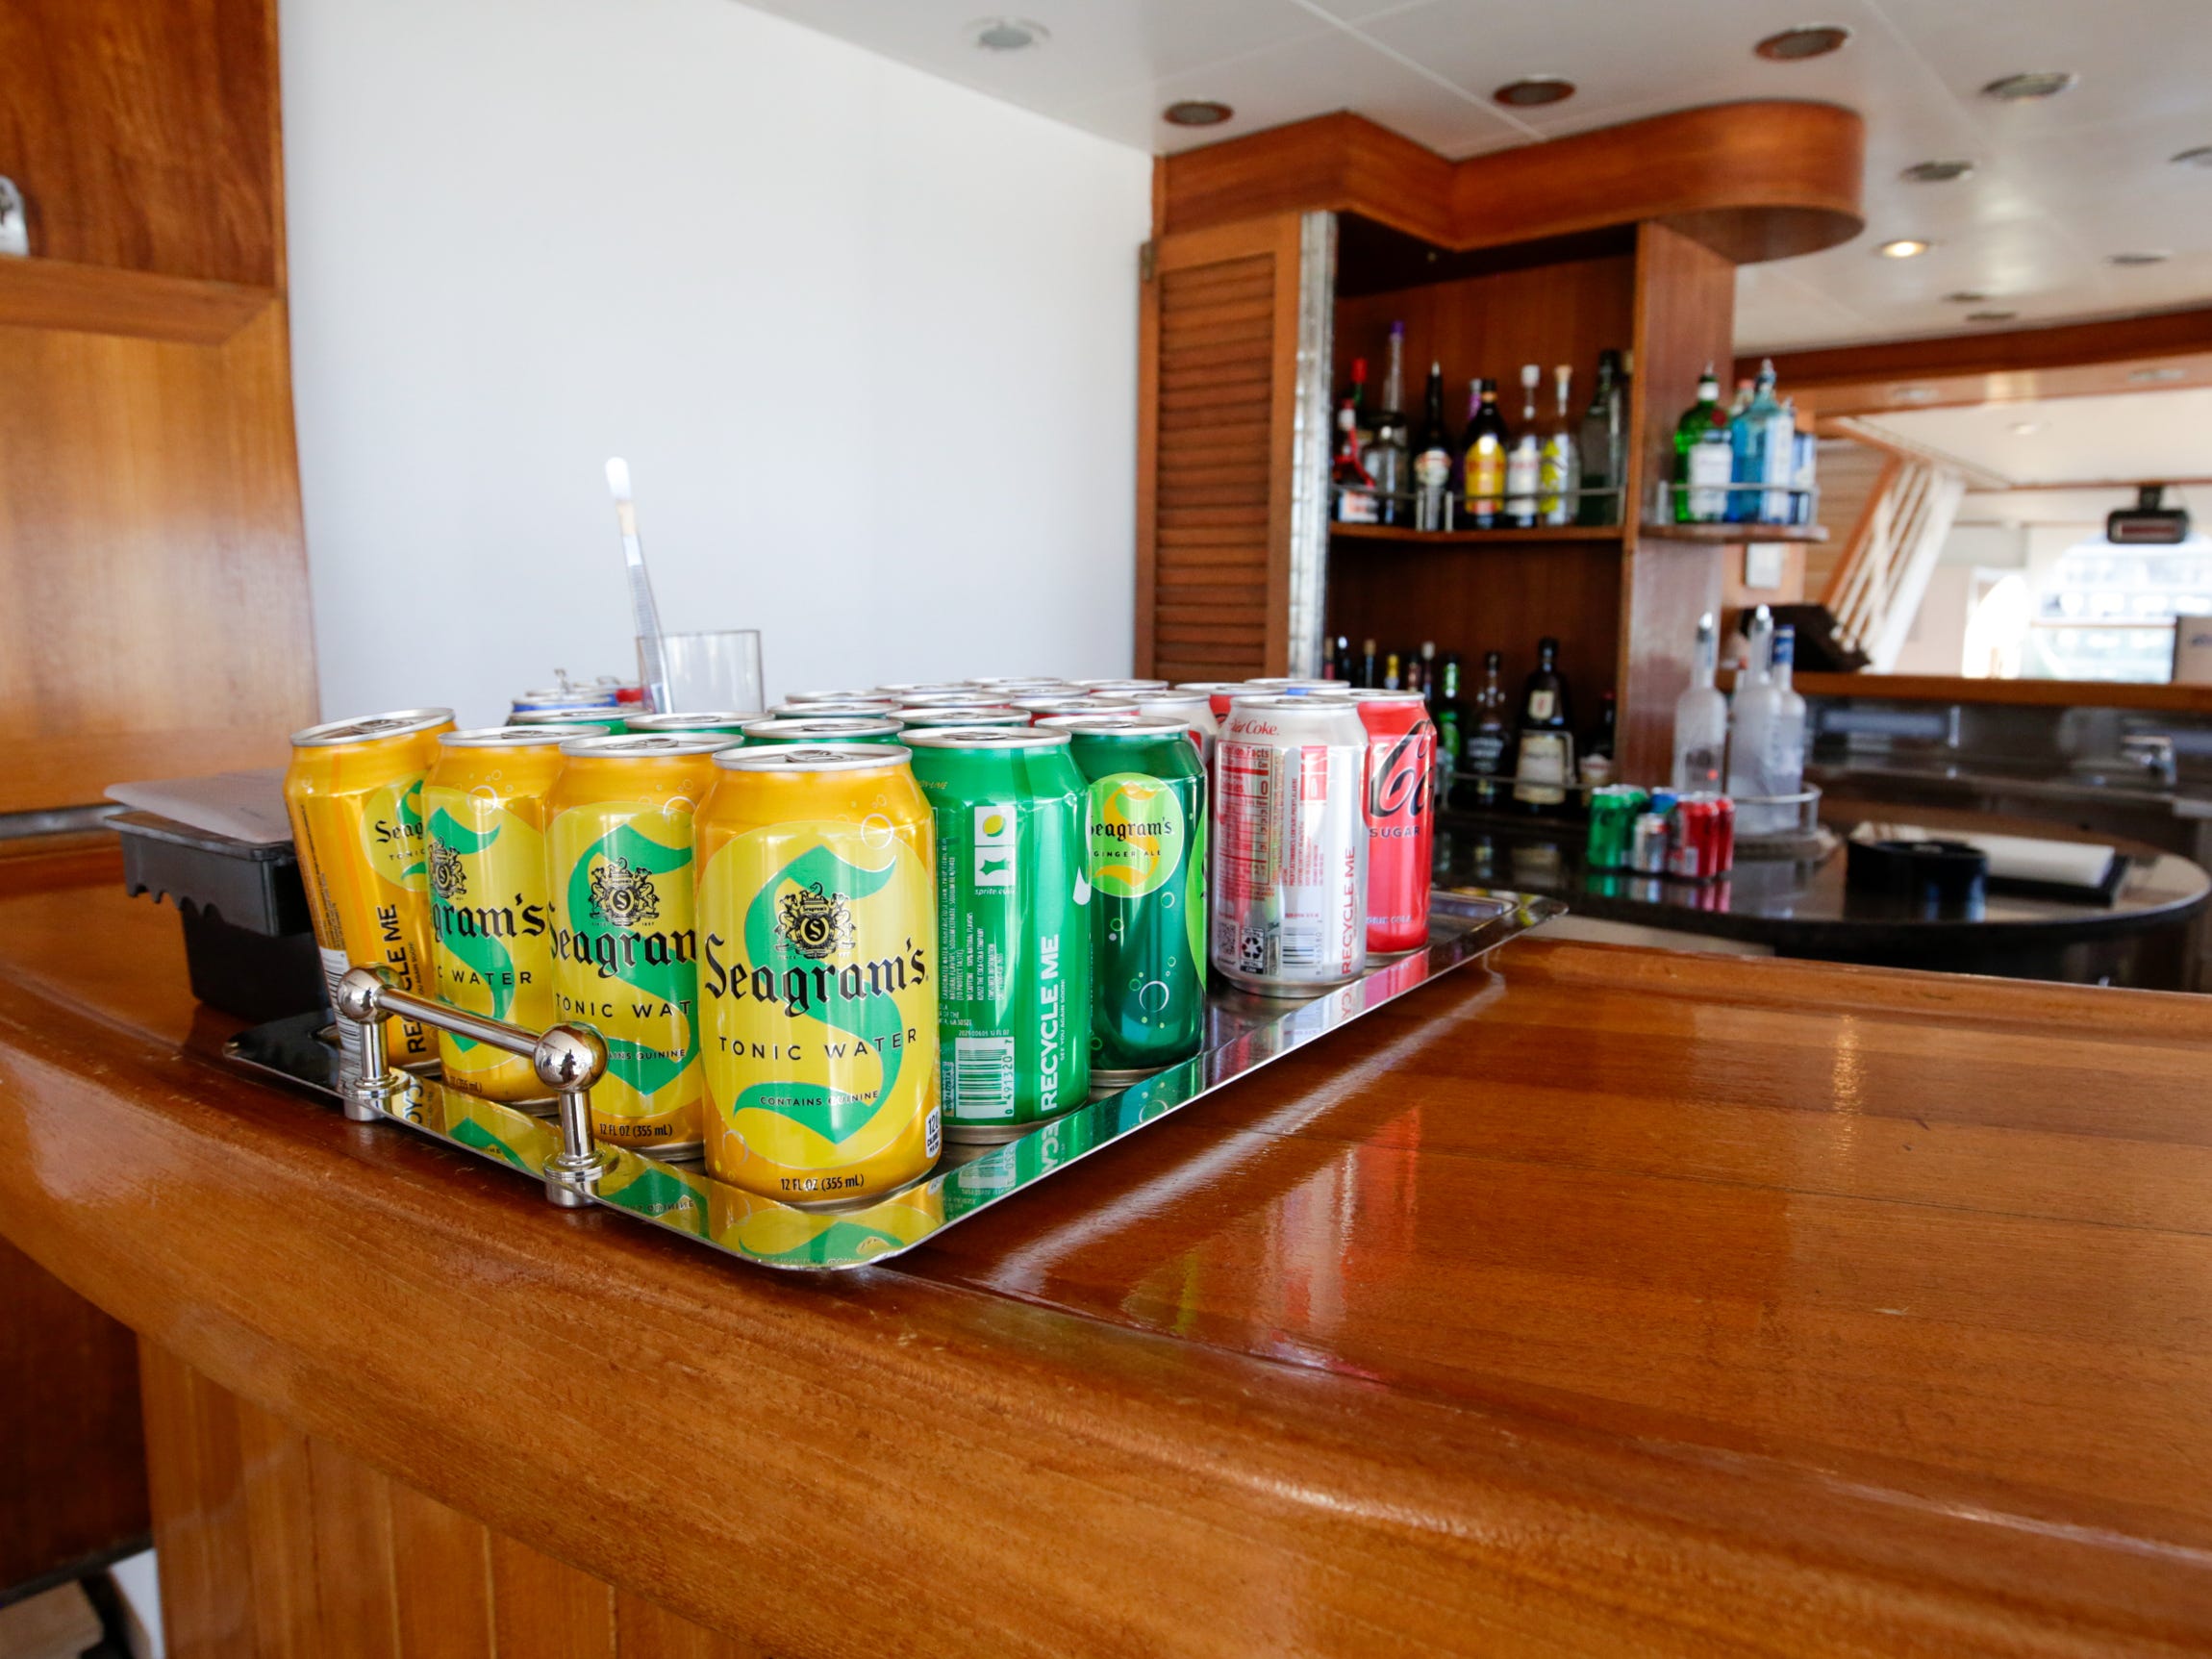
column 1758, row 180
column 1608, row 1301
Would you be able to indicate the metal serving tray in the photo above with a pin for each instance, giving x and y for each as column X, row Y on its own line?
column 1243, row 1034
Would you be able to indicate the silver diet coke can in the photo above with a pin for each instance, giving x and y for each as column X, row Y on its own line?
column 1290, row 845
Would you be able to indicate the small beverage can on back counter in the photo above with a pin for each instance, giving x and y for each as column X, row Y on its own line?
column 483, row 806
column 1014, row 927
column 1701, row 844
column 730, row 724
column 1614, row 809
column 1146, row 864
column 1648, row 845
column 1290, row 845
column 625, row 938
column 1400, row 816
column 829, row 729
column 818, row 918
column 354, row 794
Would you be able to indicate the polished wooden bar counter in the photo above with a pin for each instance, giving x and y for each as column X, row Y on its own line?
column 1588, row 1300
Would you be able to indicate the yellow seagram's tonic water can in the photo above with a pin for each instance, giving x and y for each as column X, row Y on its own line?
column 817, row 919
column 354, row 794
column 491, row 912
column 625, row 944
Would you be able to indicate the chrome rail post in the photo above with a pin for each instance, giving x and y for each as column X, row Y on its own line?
column 568, row 1059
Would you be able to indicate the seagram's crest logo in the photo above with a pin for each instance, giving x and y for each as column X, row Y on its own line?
column 622, row 894
column 814, row 923
column 447, row 879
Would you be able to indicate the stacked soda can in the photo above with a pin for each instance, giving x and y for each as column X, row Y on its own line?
column 824, row 939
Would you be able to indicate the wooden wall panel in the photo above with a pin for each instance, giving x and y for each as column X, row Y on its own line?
column 151, row 560
column 278, row 1546
column 72, row 1459
column 145, row 134
column 1215, row 461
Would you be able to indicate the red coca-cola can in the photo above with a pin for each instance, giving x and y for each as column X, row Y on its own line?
column 1400, row 816
column 1703, row 841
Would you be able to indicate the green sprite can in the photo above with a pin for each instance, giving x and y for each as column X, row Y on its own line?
column 829, row 729
column 1614, row 809
column 1013, row 927
column 731, row 725
column 1147, row 870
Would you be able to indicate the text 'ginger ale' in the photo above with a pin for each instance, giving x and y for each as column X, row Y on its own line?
column 625, row 944
column 483, row 806
column 1013, row 927
column 820, row 975
column 354, row 794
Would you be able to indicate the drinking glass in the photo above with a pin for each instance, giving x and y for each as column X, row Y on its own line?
column 709, row 673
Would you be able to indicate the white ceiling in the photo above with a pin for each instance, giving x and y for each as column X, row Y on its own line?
column 2131, row 436
column 2059, row 184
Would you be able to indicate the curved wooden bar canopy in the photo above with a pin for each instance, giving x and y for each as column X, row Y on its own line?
column 1752, row 181
column 1605, row 1301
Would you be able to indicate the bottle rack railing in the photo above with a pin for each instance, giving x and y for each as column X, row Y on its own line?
column 1802, row 525
column 1408, row 503
column 552, row 1141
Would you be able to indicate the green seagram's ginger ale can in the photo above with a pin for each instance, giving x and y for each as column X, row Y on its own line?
column 625, row 943
column 819, row 932
column 1014, row 926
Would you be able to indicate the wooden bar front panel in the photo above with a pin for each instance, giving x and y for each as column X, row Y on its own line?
column 275, row 1544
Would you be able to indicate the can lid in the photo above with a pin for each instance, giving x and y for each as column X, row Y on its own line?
column 959, row 717
column 1286, row 702
column 907, row 687
column 1132, row 698
column 689, row 722
column 543, row 717
column 866, row 694
column 1115, row 726
column 814, row 758
column 1122, row 685
column 1091, row 717
column 986, row 738
column 1207, row 688
column 646, row 746
column 368, row 728
column 956, row 700
column 1367, row 696
column 1003, row 683
column 569, row 696
column 1070, row 703
column 514, row 736
column 830, row 728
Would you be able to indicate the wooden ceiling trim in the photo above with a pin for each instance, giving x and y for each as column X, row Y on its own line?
column 1753, row 181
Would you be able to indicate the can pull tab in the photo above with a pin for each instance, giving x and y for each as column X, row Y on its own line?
column 568, row 1059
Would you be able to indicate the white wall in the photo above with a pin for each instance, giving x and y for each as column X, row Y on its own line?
column 866, row 339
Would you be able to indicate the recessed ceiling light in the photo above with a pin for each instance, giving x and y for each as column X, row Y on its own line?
column 1806, row 41
column 1196, row 112
column 1007, row 33
column 1964, row 297
column 1991, row 316
column 2026, row 428
column 2140, row 256
column 1531, row 91
column 1935, row 172
column 2154, row 376
column 1912, row 395
column 2033, row 84
column 2199, row 157
column 1903, row 249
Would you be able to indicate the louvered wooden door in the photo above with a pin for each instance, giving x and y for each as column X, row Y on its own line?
column 1216, row 401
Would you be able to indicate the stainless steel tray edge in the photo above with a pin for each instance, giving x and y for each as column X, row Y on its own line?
column 1245, row 1033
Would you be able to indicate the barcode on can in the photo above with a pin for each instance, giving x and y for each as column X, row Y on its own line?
column 1301, row 943
column 352, row 1054
column 979, row 1078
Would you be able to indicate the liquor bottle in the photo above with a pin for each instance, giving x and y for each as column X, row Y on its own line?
column 1748, row 705
column 1704, row 456
column 1804, row 469
column 1524, row 455
column 1432, row 461
column 1368, row 671
column 1391, row 674
column 1445, row 710
column 1340, row 659
column 1486, row 741
column 1349, row 481
column 1559, row 473
column 1597, row 767
column 1388, row 457
column 1763, row 453
column 1604, row 444
column 1701, row 720
column 1483, row 468
column 1420, row 672
column 1362, row 421
column 1782, row 751
column 1544, row 768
